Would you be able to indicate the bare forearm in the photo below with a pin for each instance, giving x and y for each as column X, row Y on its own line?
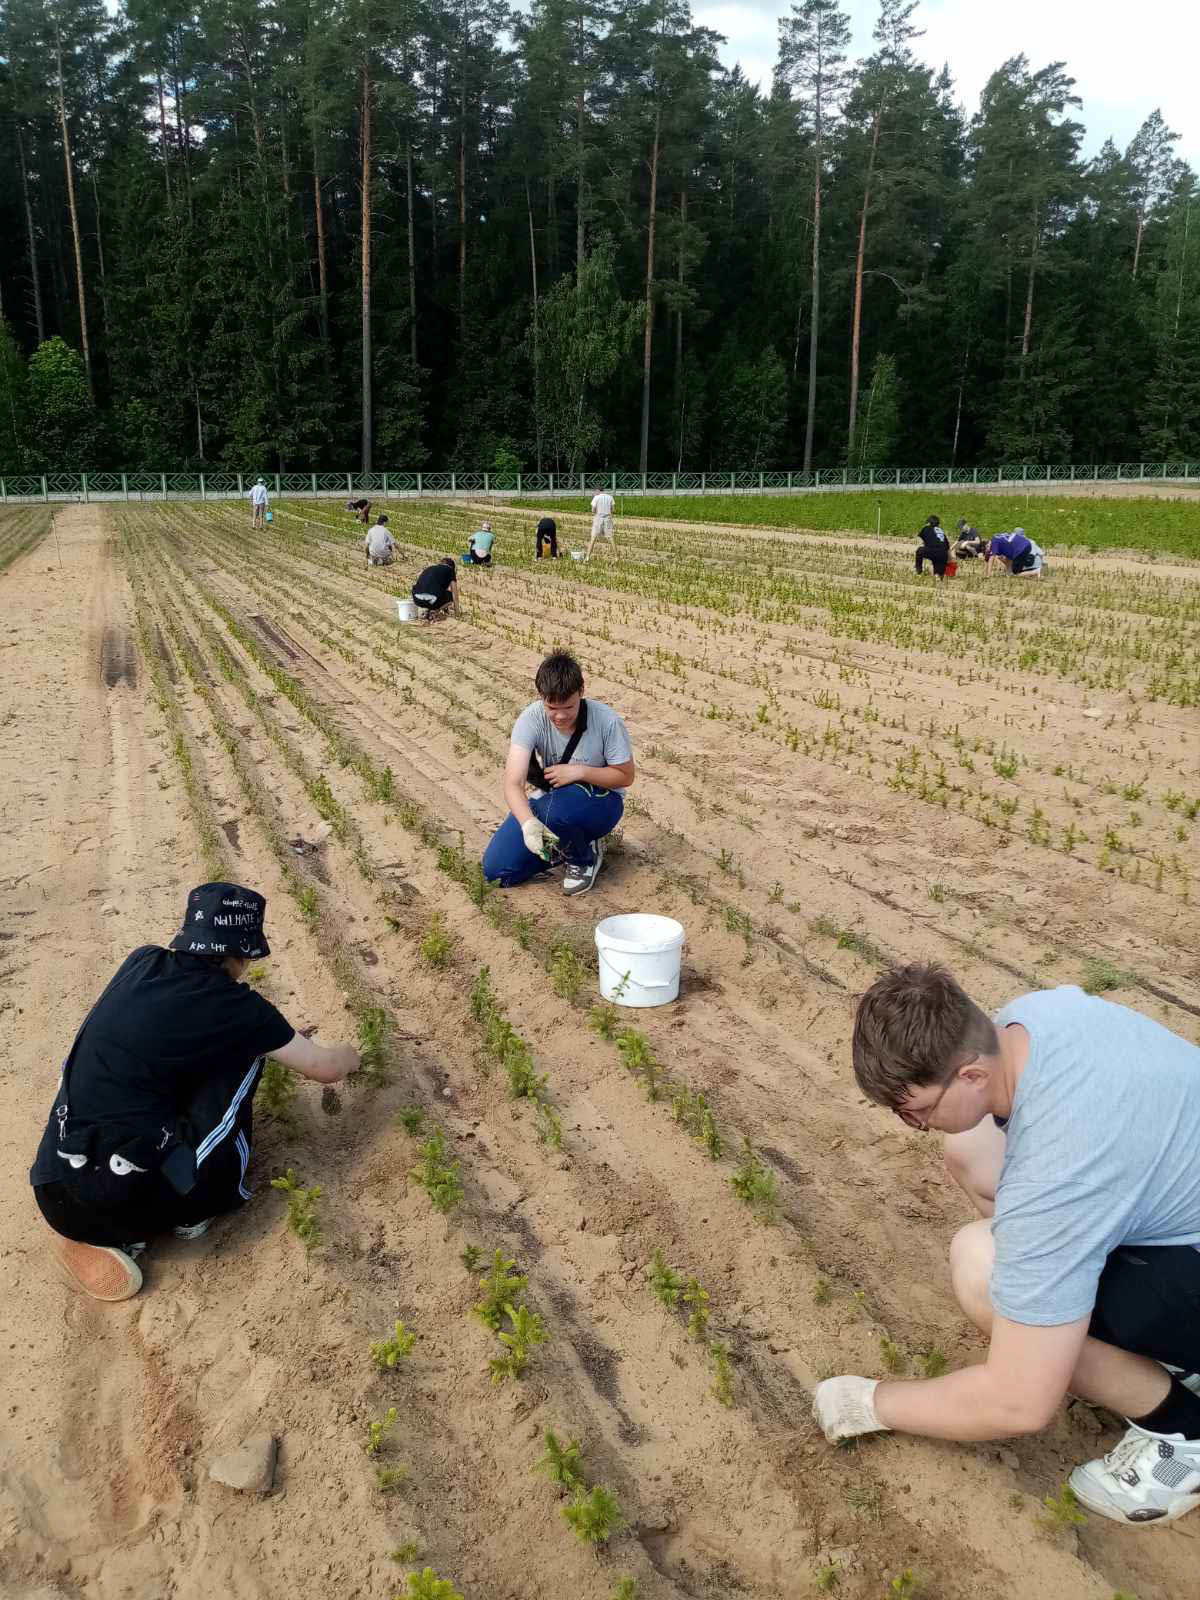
column 965, row 1405
column 517, row 801
column 605, row 777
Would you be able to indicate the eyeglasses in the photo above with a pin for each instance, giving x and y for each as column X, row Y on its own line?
column 920, row 1119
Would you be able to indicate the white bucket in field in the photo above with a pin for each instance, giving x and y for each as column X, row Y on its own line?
column 639, row 955
column 406, row 610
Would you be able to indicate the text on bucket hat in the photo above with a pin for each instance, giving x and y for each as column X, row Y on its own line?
column 223, row 919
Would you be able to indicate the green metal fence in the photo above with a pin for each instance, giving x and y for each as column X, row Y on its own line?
column 87, row 486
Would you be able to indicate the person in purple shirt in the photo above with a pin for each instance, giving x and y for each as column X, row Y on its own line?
column 1014, row 551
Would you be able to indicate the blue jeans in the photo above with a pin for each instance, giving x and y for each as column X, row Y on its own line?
column 577, row 815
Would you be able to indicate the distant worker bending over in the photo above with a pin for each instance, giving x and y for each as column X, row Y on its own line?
column 547, row 533
column 934, row 547
column 602, row 520
column 380, row 546
column 436, row 590
column 575, row 755
column 1013, row 552
column 361, row 510
column 479, row 554
column 151, row 1125
column 1073, row 1124
column 259, row 500
column 970, row 542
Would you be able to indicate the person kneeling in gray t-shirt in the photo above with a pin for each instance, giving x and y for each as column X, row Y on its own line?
column 576, row 755
column 1074, row 1125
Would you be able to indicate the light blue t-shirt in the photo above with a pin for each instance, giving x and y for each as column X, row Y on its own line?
column 482, row 543
column 1103, row 1149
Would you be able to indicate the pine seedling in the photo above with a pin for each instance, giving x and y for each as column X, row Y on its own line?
column 526, row 1331
column 934, row 1363
column 561, row 1463
column 276, row 1091
column 822, row 1293
column 389, row 1479
column 549, row 1126
column 436, row 943
column 523, row 1082
column 827, row 1577
column 595, row 1517
column 470, row 1256
column 372, row 1044
column 388, row 1353
column 406, row 1552
column 411, row 1119
column 756, row 1185
column 567, row 972
column 695, row 1295
column 310, row 909
column 377, row 1430
column 894, row 1358
column 302, row 1216
column 722, row 1384
column 1062, row 1510
column 905, row 1585
column 666, row 1283
column 427, row 1585
column 483, row 996
column 501, row 1287
column 437, row 1175
column 626, row 1589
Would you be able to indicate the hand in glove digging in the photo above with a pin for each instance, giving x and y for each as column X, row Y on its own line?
column 845, row 1407
column 534, row 836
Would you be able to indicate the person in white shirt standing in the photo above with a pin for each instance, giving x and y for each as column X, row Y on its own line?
column 259, row 500
column 380, row 547
column 602, row 520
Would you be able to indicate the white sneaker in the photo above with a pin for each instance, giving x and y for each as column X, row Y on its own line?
column 195, row 1230
column 1148, row 1477
column 578, row 880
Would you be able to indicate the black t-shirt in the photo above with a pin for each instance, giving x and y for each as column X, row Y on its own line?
column 934, row 538
column 171, row 1035
column 435, row 580
column 547, row 528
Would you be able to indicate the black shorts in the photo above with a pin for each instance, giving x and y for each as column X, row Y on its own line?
column 434, row 604
column 1025, row 562
column 1148, row 1302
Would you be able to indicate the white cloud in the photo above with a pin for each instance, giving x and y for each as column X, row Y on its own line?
column 1124, row 64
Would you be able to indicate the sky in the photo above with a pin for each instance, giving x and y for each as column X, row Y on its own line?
column 1125, row 63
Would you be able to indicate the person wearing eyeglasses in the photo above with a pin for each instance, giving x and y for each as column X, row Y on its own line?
column 1073, row 1123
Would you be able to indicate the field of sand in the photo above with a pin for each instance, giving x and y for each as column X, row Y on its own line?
column 838, row 765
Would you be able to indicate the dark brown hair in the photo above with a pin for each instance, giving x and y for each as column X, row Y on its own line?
column 916, row 1026
column 559, row 677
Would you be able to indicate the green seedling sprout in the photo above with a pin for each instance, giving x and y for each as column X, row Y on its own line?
column 894, row 1357
column 1062, row 1510
column 406, row 1552
column 377, row 1430
column 666, row 1283
column 436, row 943
column 389, row 1479
column 595, row 1517
column 310, row 908
column 695, row 1296
column 436, row 1174
column 756, row 1185
column 302, row 1216
column 276, row 1090
column 501, row 1287
column 905, row 1585
column 567, row 972
column 722, row 1384
column 411, row 1119
column 827, row 1576
column 626, row 1589
column 470, row 1256
column 822, row 1293
column 934, row 1363
column 372, row 1044
column 526, row 1331
column 388, row 1353
column 427, row 1585
column 561, row 1463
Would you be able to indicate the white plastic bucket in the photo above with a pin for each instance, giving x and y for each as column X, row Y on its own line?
column 639, row 954
column 406, row 610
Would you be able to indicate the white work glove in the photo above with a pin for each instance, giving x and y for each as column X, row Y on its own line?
column 845, row 1407
column 533, row 836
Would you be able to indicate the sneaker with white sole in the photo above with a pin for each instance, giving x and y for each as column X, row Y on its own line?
column 1148, row 1477
column 99, row 1270
column 195, row 1230
column 577, row 879
column 1189, row 1380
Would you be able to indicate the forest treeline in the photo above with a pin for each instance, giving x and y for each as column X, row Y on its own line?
column 294, row 234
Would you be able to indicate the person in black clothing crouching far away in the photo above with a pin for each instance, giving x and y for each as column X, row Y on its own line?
column 150, row 1129
column 547, row 533
column 436, row 590
column 934, row 547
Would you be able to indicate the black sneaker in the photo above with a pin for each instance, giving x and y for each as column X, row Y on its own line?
column 578, row 880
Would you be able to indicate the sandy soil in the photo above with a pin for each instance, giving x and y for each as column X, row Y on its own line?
column 794, row 870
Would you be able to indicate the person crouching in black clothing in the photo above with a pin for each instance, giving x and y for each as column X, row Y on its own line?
column 151, row 1126
column 547, row 533
column 934, row 547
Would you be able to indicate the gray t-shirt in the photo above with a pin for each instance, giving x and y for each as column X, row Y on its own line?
column 379, row 542
column 1103, row 1149
column 605, row 743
